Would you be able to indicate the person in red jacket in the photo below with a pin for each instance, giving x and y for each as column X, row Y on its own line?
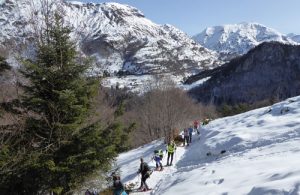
column 196, row 125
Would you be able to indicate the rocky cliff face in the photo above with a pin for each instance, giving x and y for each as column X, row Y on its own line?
column 270, row 70
column 118, row 36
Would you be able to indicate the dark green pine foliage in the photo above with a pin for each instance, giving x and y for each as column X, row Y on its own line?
column 62, row 148
column 3, row 65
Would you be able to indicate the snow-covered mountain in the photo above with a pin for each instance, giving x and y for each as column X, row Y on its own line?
column 294, row 37
column 262, row 156
column 119, row 36
column 238, row 39
column 268, row 72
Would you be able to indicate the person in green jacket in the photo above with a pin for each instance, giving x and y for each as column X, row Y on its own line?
column 171, row 147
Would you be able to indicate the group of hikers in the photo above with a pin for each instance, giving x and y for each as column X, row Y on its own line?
column 146, row 171
column 188, row 133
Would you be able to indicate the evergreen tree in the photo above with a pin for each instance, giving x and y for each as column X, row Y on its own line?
column 62, row 147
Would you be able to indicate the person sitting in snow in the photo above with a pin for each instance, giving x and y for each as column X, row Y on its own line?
column 118, row 186
column 145, row 171
column 158, row 155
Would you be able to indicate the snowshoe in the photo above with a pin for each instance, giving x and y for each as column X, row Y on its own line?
column 145, row 190
column 142, row 190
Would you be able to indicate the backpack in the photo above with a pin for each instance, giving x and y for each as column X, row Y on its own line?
column 149, row 173
column 146, row 167
column 161, row 156
column 147, row 170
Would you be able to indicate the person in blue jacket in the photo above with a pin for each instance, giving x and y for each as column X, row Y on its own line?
column 158, row 155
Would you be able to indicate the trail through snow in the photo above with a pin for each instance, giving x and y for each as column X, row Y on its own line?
column 262, row 156
column 130, row 163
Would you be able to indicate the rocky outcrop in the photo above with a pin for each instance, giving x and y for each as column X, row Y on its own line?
column 270, row 70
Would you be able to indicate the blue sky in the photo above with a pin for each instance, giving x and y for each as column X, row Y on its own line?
column 192, row 16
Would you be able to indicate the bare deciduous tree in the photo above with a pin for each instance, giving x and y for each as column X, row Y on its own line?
column 163, row 111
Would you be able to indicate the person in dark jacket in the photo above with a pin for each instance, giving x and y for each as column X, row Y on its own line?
column 145, row 171
column 190, row 129
column 186, row 136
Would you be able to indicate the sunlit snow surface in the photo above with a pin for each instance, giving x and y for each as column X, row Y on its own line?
column 263, row 156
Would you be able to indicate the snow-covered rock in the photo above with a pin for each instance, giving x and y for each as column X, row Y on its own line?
column 262, row 156
column 237, row 39
column 119, row 37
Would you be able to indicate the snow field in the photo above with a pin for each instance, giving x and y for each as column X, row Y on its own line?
column 262, row 156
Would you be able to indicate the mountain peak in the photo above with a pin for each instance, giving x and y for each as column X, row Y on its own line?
column 119, row 37
column 125, row 8
column 238, row 38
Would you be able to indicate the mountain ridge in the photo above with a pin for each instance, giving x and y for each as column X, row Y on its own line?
column 268, row 71
column 238, row 39
column 119, row 36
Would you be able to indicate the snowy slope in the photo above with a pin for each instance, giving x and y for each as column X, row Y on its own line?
column 238, row 38
column 263, row 156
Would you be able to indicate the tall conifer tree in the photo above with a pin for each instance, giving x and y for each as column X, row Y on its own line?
column 62, row 148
